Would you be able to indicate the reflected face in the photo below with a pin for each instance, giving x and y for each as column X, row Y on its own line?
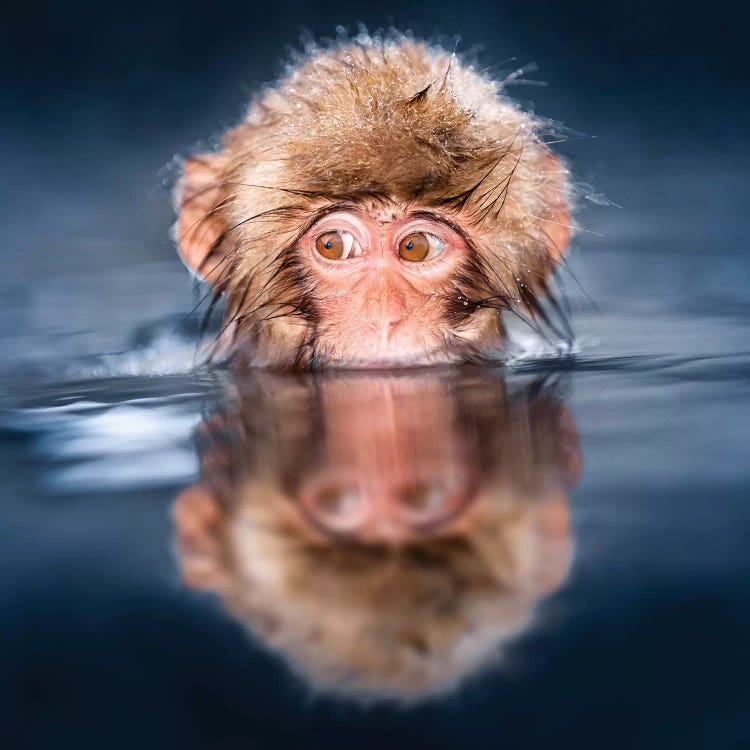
column 387, row 533
column 393, row 467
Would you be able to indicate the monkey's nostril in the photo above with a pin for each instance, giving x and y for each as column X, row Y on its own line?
column 392, row 327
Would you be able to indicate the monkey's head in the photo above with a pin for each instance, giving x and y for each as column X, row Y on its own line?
column 380, row 207
column 386, row 534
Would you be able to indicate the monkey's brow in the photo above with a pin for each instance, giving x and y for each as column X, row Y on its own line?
column 432, row 216
column 329, row 208
column 318, row 214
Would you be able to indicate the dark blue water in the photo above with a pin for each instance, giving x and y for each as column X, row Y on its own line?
column 636, row 637
column 551, row 553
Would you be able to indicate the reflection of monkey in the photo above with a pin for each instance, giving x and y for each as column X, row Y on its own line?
column 382, row 205
column 384, row 532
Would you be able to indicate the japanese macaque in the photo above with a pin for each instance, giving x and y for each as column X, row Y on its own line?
column 380, row 207
column 385, row 533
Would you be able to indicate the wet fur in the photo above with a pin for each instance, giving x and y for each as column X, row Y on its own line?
column 377, row 620
column 384, row 120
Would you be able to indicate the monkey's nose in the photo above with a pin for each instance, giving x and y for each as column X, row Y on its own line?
column 391, row 327
column 386, row 302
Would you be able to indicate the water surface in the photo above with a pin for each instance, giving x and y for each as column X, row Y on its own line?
column 575, row 527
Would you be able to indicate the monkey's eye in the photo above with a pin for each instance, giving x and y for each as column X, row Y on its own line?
column 422, row 500
column 420, row 246
column 338, row 245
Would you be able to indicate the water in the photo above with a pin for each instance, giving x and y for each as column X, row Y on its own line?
column 576, row 526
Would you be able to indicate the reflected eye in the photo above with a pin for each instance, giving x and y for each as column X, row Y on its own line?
column 338, row 507
column 337, row 245
column 422, row 500
column 420, row 246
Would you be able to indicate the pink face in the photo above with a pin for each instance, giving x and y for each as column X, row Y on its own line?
column 381, row 280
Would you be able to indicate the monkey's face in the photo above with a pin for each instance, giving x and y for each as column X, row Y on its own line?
column 386, row 533
column 381, row 206
column 384, row 280
column 392, row 466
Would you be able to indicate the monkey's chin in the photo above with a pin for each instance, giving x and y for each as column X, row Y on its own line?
column 396, row 360
column 456, row 351
column 482, row 343
column 299, row 353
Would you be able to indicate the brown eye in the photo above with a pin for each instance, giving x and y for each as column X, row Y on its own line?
column 337, row 501
column 337, row 245
column 338, row 508
column 420, row 246
column 421, row 499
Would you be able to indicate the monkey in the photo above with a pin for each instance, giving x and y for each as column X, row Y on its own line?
column 381, row 206
column 385, row 533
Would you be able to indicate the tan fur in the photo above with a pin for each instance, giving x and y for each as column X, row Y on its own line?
column 400, row 620
column 395, row 120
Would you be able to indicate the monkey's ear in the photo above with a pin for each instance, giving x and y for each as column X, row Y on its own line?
column 546, row 570
column 556, row 217
column 569, row 447
column 200, row 224
column 198, row 520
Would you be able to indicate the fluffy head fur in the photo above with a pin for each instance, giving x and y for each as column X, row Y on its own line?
column 385, row 123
